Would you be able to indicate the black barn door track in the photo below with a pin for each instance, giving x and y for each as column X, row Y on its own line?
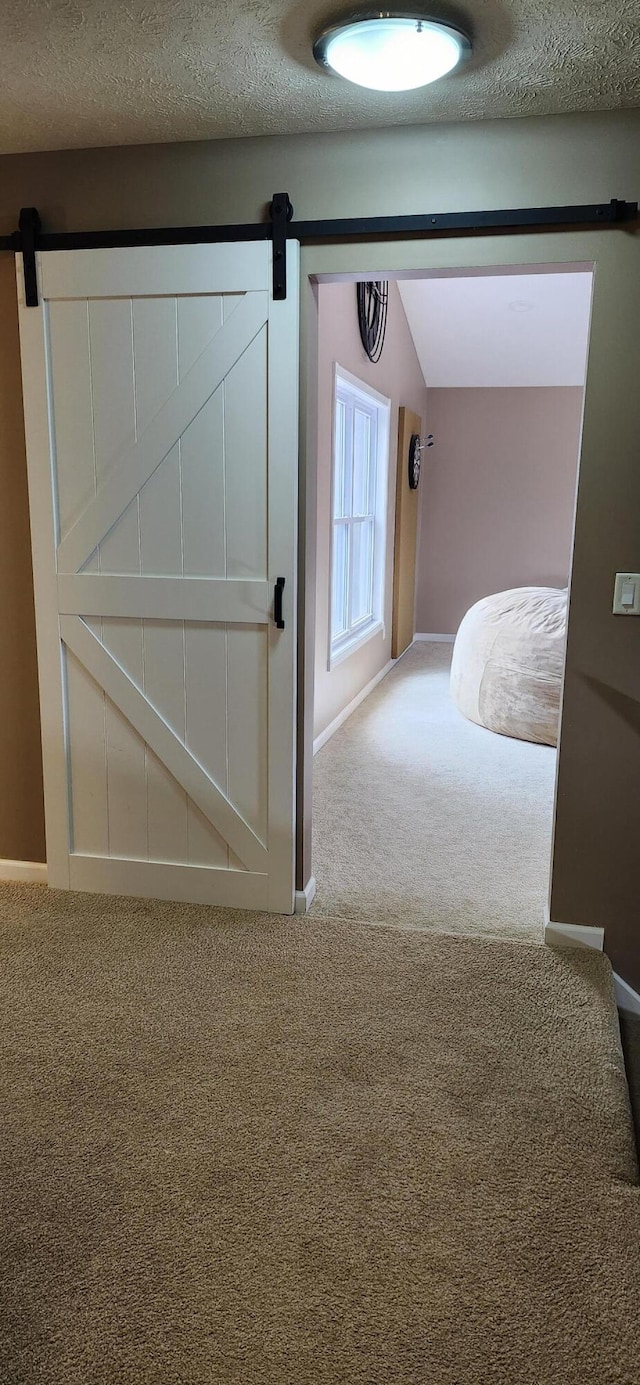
column 279, row 226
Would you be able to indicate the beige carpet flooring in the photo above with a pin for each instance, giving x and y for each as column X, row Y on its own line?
column 423, row 818
column 269, row 1151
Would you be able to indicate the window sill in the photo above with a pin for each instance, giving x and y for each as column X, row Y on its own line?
column 356, row 642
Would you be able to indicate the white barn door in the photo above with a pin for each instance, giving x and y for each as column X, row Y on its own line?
column 160, row 390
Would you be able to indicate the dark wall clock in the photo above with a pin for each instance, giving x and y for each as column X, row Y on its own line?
column 372, row 299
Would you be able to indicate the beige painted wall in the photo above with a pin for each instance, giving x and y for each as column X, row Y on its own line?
column 398, row 376
column 518, row 163
column 498, row 496
column 476, row 164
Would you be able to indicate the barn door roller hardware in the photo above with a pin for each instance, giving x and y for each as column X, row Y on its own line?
column 281, row 213
column 29, row 230
column 281, row 227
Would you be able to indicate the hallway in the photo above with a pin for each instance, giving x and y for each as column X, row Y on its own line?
column 423, row 819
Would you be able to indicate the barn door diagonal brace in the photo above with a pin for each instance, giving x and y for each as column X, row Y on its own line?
column 29, row 228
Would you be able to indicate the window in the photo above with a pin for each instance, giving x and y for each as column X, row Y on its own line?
column 360, row 472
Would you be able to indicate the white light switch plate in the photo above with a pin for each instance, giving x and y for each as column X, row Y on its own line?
column 626, row 594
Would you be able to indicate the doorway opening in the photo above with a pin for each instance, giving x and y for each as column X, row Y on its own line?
column 442, row 577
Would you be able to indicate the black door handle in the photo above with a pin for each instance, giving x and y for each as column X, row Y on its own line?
column 277, row 603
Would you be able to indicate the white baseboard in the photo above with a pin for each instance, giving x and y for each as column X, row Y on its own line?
column 436, row 639
column 573, row 935
column 305, row 897
column 626, row 998
column 342, row 716
column 24, row 872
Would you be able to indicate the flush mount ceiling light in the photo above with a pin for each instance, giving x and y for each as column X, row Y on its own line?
column 391, row 51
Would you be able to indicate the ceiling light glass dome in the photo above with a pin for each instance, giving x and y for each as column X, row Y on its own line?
column 390, row 52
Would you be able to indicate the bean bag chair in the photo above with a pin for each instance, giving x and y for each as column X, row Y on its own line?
column 508, row 663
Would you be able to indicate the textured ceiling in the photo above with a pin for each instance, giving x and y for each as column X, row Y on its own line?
column 79, row 73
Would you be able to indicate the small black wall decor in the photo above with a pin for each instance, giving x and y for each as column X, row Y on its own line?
column 417, row 446
column 372, row 298
column 415, row 460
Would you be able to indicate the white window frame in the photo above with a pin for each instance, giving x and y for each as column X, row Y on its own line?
column 356, row 390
